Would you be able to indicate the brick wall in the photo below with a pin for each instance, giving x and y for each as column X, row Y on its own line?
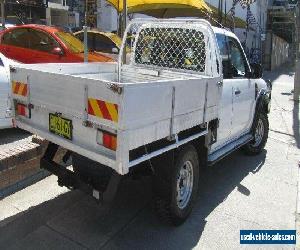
column 20, row 166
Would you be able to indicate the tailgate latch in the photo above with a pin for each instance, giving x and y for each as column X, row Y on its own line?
column 116, row 88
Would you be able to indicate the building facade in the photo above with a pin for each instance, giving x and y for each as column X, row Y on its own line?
column 25, row 11
column 255, row 18
column 78, row 7
column 107, row 16
column 57, row 12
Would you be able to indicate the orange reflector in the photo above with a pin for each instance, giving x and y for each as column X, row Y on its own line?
column 110, row 141
column 19, row 88
column 106, row 139
column 21, row 109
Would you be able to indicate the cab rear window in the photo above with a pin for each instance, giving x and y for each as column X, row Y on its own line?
column 172, row 48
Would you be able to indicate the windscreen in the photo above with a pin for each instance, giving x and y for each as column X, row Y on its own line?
column 73, row 43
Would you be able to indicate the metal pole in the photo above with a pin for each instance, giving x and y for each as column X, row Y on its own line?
column 85, row 13
column 219, row 11
column 124, row 16
column 3, row 13
column 225, row 11
column 85, row 42
column 124, row 25
column 297, row 66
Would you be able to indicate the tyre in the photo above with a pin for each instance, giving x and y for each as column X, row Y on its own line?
column 177, row 187
column 91, row 171
column 260, row 133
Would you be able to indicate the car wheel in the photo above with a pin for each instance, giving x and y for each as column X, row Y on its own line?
column 260, row 134
column 176, row 194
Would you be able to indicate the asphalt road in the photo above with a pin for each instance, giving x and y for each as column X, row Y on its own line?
column 240, row 192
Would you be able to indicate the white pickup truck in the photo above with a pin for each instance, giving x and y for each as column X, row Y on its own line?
column 187, row 98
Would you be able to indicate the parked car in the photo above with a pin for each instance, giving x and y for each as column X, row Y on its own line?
column 5, row 87
column 103, row 42
column 43, row 44
column 179, row 106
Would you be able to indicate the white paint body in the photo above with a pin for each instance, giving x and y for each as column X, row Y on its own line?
column 5, row 89
column 151, row 106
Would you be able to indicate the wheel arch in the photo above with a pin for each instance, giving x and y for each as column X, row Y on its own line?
column 263, row 101
column 263, row 105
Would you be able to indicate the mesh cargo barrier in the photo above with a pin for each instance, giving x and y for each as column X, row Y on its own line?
column 157, row 46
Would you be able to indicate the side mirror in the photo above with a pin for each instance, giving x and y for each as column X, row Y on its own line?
column 115, row 50
column 57, row 51
column 257, row 71
column 269, row 84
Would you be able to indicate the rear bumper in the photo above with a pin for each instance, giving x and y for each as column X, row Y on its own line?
column 109, row 162
column 72, row 180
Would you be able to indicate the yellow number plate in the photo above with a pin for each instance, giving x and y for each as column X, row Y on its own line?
column 60, row 126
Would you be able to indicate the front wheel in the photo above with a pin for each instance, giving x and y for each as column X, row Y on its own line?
column 177, row 192
column 260, row 133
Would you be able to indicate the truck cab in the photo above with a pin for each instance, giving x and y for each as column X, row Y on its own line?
column 237, row 105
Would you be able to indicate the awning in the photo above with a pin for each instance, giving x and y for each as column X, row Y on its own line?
column 141, row 6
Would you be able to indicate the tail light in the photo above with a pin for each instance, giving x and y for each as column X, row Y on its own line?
column 22, row 110
column 107, row 139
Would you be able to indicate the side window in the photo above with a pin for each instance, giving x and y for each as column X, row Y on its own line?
column 90, row 40
column 237, row 58
column 80, row 36
column 224, row 53
column 16, row 37
column 41, row 41
column 223, row 46
column 104, row 44
column 90, row 37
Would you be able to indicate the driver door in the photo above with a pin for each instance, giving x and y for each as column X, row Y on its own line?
column 226, row 105
column 42, row 46
column 243, row 91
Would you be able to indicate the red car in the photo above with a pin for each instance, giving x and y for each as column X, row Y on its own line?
column 43, row 44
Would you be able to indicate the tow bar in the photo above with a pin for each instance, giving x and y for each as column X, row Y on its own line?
column 72, row 181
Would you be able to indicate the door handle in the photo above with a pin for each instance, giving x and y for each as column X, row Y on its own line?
column 237, row 92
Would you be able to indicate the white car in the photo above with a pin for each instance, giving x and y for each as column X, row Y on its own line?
column 5, row 87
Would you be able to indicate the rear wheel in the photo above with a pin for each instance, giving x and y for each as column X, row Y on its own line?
column 177, row 187
column 260, row 134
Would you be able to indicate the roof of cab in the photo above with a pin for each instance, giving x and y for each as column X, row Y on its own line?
column 226, row 32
